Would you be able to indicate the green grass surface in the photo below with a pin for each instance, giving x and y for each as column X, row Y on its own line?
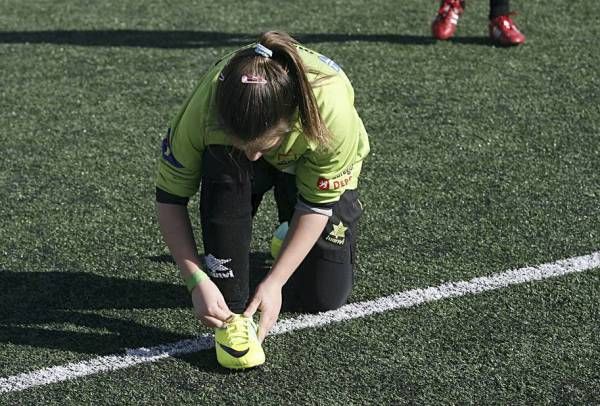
column 533, row 344
column 483, row 159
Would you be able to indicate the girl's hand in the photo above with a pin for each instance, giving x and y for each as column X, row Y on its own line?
column 209, row 304
column 267, row 299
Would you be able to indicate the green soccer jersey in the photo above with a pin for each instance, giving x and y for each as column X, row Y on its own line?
column 322, row 174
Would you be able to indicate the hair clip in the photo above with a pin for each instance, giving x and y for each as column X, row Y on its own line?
column 221, row 77
column 263, row 50
column 254, row 79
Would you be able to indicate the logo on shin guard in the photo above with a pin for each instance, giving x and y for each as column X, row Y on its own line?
column 216, row 268
column 338, row 234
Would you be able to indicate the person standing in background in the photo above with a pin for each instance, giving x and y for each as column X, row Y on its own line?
column 502, row 29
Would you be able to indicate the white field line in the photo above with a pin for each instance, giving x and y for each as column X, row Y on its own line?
column 400, row 300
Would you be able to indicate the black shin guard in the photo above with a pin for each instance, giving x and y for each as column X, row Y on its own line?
column 226, row 217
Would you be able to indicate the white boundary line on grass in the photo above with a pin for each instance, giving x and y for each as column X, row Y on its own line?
column 400, row 300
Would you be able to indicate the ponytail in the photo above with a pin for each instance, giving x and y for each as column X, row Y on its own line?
column 284, row 47
column 262, row 85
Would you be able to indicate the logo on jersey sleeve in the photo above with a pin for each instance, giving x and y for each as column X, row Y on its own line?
column 330, row 63
column 167, row 153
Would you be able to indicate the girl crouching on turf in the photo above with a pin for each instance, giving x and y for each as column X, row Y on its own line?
column 271, row 115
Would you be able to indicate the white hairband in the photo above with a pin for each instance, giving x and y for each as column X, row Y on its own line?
column 263, row 50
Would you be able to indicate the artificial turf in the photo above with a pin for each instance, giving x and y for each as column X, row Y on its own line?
column 483, row 159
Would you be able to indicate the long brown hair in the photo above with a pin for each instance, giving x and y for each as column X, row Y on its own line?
column 278, row 86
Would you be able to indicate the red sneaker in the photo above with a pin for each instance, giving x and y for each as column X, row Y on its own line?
column 504, row 32
column 444, row 25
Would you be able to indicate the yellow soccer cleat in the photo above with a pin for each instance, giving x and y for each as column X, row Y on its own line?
column 237, row 344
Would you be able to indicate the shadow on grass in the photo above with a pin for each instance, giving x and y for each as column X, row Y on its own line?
column 472, row 41
column 64, row 310
column 199, row 39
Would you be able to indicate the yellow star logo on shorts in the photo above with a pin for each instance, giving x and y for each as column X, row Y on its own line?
column 339, row 231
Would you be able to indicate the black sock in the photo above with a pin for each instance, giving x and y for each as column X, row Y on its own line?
column 499, row 8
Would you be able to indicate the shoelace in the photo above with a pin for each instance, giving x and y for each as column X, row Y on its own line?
column 505, row 20
column 450, row 5
column 238, row 328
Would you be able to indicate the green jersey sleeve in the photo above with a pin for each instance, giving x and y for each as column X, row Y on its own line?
column 325, row 172
column 180, row 164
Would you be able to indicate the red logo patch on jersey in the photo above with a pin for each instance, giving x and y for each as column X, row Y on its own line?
column 323, row 184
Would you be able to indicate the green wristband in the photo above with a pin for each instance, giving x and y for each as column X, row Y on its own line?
column 194, row 280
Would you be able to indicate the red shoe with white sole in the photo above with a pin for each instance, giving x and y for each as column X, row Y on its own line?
column 444, row 25
column 503, row 31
